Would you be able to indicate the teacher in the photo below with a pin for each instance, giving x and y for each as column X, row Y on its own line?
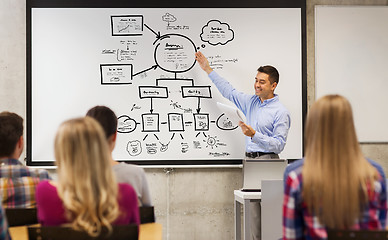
column 268, row 121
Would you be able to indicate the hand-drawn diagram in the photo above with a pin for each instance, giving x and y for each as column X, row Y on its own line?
column 173, row 53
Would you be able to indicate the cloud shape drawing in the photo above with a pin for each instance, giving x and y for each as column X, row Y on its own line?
column 216, row 33
column 125, row 124
column 168, row 17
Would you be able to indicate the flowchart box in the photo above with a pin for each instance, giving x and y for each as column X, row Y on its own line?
column 150, row 122
column 196, row 91
column 153, row 92
column 175, row 122
column 116, row 74
column 127, row 25
column 201, row 121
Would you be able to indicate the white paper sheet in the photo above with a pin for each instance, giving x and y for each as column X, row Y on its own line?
column 231, row 112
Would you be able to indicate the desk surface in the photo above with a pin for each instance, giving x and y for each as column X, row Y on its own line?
column 148, row 231
column 246, row 195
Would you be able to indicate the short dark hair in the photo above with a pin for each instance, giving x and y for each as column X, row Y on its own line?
column 11, row 129
column 272, row 72
column 106, row 117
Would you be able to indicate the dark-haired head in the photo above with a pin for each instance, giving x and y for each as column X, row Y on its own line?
column 11, row 129
column 106, row 117
column 272, row 72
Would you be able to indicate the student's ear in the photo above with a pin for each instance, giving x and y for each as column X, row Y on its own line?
column 19, row 146
column 21, row 142
column 114, row 137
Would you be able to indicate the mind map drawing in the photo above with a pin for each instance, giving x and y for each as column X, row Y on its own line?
column 173, row 53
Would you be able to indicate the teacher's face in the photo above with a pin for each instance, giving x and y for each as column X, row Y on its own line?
column 263, row 87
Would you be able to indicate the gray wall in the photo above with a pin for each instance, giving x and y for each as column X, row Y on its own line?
column 190, row 203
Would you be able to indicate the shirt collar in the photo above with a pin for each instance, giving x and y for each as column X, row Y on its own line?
column 10, row 161
column 268, row 101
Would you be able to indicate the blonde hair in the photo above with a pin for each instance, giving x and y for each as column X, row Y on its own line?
column 86, row 185
column 335, row 173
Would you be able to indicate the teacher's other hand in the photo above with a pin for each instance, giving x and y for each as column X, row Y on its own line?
column 246, row 129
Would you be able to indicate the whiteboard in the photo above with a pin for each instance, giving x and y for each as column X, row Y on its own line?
column 351, row 53
column 140, row 63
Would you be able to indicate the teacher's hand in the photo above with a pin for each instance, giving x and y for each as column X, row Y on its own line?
column 203, row 62
column 246, row 129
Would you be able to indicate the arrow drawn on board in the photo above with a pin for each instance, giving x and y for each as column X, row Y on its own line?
column 153, row 67
column 157, row 34
column 199, row 105
column 151, row 110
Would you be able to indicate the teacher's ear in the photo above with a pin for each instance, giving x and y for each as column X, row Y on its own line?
column 274, row 85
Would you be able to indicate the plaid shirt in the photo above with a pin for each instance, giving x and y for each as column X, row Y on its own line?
column 18, row 183
column 4, row 233
column 299, row 223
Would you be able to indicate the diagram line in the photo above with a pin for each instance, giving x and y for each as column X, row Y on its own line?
column 156, row 137
column 153, row 67
column 157, row 34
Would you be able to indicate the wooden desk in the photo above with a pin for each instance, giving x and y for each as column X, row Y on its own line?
column 148, row 231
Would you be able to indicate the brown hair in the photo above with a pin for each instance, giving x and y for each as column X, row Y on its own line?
column 273, row 74
column 106, row 117
column 11, row 129
column 334, row 167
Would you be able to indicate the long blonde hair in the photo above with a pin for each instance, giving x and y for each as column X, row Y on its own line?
column 335, row 173
column 86, row 184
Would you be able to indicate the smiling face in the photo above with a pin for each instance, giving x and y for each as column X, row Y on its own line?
column 263, row 86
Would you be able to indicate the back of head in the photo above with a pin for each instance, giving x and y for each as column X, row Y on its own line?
column 86, row 185
column 330, row 127
column 11, row 129
column 334, row 163
column 106, row 117
column 272, row 72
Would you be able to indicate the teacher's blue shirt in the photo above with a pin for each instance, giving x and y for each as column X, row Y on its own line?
column 270, row 119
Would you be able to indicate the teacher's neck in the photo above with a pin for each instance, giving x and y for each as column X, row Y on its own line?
column 262, row 99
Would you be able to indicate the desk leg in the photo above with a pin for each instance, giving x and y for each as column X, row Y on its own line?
column 237, row 220
column 247, row 220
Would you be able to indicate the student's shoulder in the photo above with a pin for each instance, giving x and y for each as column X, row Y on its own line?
column 295, row 168
column 294, row 165
column 126, row 188
column 130, row 168
column 378, row 167
column 42, row 174
column 127, row 191
column 46, row 187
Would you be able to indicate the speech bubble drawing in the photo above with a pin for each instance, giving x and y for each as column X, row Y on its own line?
column 216, row 32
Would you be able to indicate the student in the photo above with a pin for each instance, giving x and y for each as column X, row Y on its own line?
column 125, row 173
column 17, row 182
column 268, row 121
column 86, row 194
column 334, row 186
